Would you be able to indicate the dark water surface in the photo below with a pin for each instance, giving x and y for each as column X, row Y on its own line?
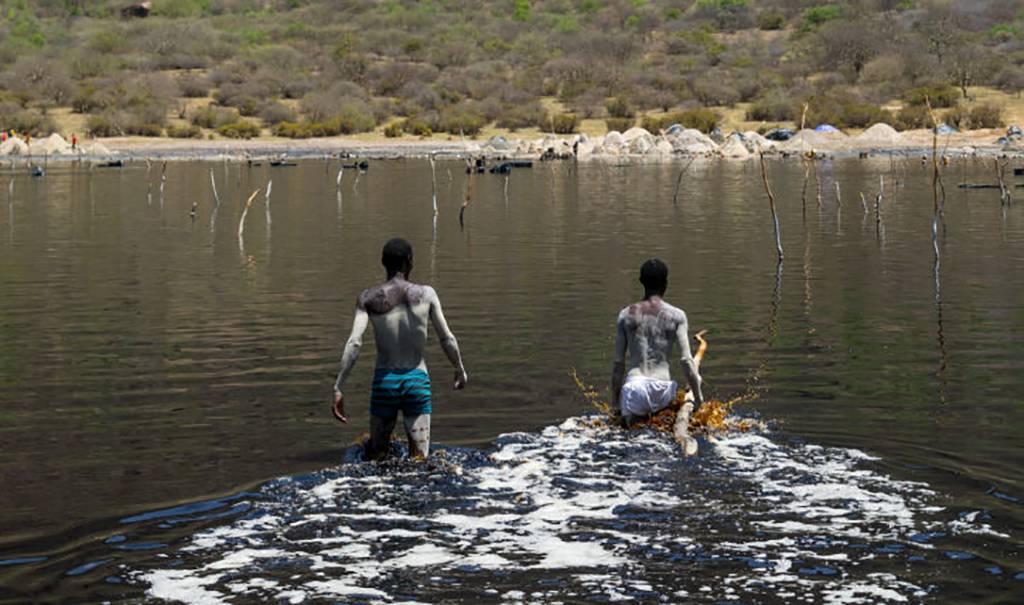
column 154, row 377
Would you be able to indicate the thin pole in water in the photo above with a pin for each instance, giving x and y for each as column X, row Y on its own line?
column 771, row 204
column 241, row 222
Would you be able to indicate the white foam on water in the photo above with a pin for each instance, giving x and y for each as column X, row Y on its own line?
column 573, row 511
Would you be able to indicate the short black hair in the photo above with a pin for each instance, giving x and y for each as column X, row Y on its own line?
column 395, row 254
column 654, row 274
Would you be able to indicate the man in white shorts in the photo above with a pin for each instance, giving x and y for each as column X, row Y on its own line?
column 648, row 330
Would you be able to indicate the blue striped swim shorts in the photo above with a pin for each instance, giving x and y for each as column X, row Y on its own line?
column 405, row 390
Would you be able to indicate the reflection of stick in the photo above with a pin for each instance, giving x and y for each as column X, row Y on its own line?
column 163, row 179
column 337, row 182
column 433, row 184
column 771, row 203
column 245, row 212
column 679, row 181
column 803, row 192
column 839, row 197
column 878, row 205
column 863, row 202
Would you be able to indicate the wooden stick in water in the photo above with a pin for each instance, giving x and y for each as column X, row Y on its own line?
column 863, row 202
column 213, row 183
column 1005, row 199
column 245, row 212
column 771, row 203
column 470, row 188
column 433, row 184
column 681, row 428
column 839, row 196
column 266, row 200
column 679, row 181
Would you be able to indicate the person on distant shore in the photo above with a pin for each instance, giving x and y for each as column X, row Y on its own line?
column 647, row 330
column 74, row 141
column 399, row 311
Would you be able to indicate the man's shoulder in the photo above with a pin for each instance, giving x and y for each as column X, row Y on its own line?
column 673, row 311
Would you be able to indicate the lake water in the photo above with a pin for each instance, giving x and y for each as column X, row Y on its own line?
column 165, row 387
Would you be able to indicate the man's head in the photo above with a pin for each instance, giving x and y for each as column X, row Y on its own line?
column 654, row 277
column 397, row 257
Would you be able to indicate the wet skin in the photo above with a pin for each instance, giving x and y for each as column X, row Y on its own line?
column 648, row 330
column 400, row 312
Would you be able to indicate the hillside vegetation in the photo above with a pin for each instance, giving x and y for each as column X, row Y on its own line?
column 302, row 68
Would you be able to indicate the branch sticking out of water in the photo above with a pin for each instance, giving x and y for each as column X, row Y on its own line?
column 241, row 222
column 839, row 195
column 863, row 202
column 337, row 181
column 878, row 206
column 771, row 204
column 1005, row 197
column 433, row 184
column 266, row 200
column 470, row 189
column 213, row 183
column 679, row 181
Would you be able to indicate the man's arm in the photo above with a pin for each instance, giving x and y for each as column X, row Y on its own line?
column 689, row 365
column 619, row 366
column 448, row 342
column 348, row 359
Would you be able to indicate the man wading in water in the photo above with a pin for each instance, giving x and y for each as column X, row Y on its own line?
column 399, row 311
column 648, row 329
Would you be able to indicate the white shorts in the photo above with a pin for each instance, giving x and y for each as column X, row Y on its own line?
column 642, row 396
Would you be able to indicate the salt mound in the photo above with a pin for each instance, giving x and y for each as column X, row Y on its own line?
column 96, row 149
column 691, row 141
column 756, row 143
column 14, row 146
column 735, row 148
column 635, row 133
column 52, row 145
column 808, row 140
column 880, row 133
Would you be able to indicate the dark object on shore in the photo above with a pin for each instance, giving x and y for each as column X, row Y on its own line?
column 37, row 171
column 779, row 134
column 1018, row 172
column 945, row 129
column 139, row 10
column 364, row 166
column 862, row 155
column 282, row 163
column 112, row 164
column 476, row 167
column 506, row 167
column 717, row 135
column 984, row 185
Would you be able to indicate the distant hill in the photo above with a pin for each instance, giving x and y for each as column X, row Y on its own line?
column 324, row 67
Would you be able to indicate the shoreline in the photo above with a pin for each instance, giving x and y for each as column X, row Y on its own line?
column 634, row 146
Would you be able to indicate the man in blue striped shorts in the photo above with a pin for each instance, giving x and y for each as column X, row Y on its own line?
column 399, row 311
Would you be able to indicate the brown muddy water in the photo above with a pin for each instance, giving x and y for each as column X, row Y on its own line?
column 164, row 387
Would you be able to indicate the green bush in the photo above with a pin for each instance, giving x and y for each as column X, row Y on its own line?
column 653, row 124
column 463, row 123
column 214, row 117
column 564, row 123
column 939, row 94
column 27, row 121
column 700, row 118
column 816, row 15
column 184, row 131
column 980, row 116
column 242, row 129
column 103, row 125
column 522, row 115
column 854, row 114
column 773, row 107
column 619, row 124
column 416, row 127
column 771, row 20
column 912, row 117
column 141, row 128
column 987, row 116
column 620, row 107
column 393, row 130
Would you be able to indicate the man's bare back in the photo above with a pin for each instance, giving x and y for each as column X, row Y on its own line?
column 647, row 331
column 399, row 311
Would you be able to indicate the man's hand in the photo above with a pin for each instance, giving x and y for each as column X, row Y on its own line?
column 339, row 407
column 460, row 379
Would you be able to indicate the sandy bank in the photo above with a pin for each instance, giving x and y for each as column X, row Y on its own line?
column 635, row 144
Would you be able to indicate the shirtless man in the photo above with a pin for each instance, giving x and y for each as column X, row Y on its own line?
column 648, row 329
column 399, row 311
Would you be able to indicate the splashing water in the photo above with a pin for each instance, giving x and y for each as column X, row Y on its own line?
column 575, row 512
